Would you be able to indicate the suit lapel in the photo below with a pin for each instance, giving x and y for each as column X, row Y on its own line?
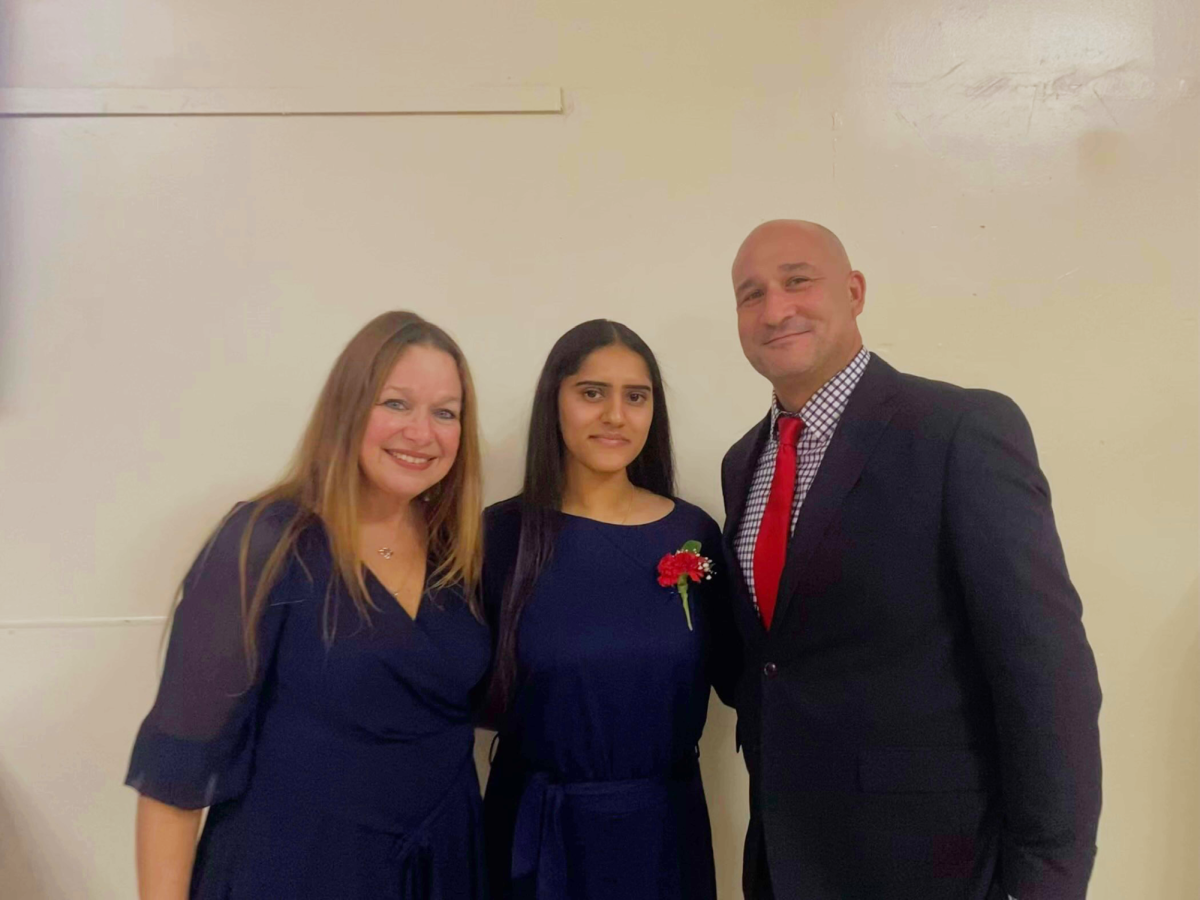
column 862, row 424
column 742, row 464
column 741, row 470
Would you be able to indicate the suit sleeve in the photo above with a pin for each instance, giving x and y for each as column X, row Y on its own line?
column 1025, row 618
column 725, row 642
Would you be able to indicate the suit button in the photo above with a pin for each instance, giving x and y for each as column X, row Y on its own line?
column 770, row 670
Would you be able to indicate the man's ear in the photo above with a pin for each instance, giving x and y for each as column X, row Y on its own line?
column 856, row 283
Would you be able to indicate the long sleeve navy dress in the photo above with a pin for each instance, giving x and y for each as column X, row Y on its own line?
column 345, row 772
column 595, row 791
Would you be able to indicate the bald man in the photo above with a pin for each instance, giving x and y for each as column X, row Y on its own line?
column 919, row 708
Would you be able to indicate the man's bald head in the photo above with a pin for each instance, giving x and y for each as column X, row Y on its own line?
column 798, row 301
column 813, row 232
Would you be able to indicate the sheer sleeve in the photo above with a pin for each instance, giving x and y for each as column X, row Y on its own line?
column 196, row 745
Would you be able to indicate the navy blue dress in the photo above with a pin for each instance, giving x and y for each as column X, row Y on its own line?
column 595, row 791
column 346, row 770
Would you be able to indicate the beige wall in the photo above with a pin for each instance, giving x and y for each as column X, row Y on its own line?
column 1019, row 182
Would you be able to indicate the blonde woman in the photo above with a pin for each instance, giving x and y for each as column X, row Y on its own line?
column 316, row 697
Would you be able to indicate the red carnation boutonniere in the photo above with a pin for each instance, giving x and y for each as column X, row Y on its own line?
column 684, row 565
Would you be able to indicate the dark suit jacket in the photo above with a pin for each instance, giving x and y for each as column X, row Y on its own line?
column 921, row 720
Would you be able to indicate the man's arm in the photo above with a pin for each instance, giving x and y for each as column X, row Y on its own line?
column 1025, row 617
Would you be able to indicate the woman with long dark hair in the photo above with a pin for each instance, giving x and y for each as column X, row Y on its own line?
column 317, row 692
column 602, row 674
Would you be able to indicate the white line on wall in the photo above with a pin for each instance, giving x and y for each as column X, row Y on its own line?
column 377, row 100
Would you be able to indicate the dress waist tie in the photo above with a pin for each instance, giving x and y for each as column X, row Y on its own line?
column 539, row 856
column 413, row 853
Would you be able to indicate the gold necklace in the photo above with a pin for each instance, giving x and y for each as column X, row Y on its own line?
column 403, row 586
column 388, row 553
column 628, row 506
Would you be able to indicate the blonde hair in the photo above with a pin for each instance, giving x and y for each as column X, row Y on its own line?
column 324, row 480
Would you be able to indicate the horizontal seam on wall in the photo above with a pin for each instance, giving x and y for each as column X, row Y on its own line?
column 485, row 100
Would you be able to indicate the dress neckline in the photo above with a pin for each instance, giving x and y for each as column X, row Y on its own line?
column 373, row 582
column 674, row 509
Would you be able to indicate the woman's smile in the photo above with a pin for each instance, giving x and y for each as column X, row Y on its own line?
column 412, row 460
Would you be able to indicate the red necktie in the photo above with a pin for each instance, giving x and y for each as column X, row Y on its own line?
column 770, row 548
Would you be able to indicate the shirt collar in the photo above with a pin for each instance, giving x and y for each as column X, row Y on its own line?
column 824, row 409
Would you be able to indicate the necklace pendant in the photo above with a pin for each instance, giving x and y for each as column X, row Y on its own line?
column 386, row 552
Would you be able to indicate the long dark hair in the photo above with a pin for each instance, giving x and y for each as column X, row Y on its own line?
column 545, row 478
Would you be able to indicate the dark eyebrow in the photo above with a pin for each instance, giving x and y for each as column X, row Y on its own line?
column 605, row 384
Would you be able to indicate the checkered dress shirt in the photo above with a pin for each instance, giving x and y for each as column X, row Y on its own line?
column 820, row 416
